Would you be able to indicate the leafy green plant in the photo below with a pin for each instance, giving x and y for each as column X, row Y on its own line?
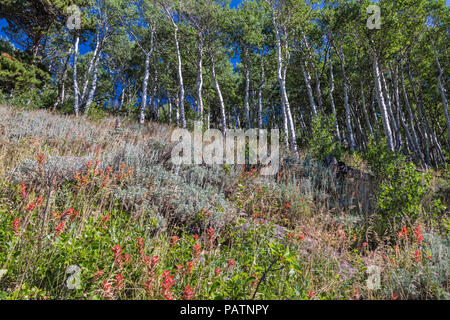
column 402, row 191
column 323, row 141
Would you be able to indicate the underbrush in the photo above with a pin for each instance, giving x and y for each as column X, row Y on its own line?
column 88, row 211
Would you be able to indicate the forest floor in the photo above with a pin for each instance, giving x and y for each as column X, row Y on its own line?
column 88, row 211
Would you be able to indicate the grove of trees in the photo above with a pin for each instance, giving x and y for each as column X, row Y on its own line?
column 265, row 64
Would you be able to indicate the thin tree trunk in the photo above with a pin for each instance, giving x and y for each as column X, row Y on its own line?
column 76, row 94
column 281, row 77
column 366, row 114
column 61, row 83
column 307, row 78
column 260, row 97
column 247, row 94
column 396, row 134
column 219, row 94
column 92, row 90
column 443, row 93
column 333, row 107
column 180, row 78
column 382, row 104
column 144, row 89
column 90, row 70
column 351, row 139
column 318, row 92
column 200, row 76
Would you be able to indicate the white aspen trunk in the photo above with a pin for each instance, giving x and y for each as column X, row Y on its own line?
column 122, row 94
column 411, row 116
column 153, row 102
column 146, row 77
column 281, row 77
column 200, row 76
column 307, row 78
column 443, row 93
column 260, row 97
column 247, row 94
column 169, row 102
column 92, row 90
column 399, row 109
column 144, row 89
column 91, row 66
column 333, row 107
column 76, row 93
column 351, row 138
column 396, row 134
column 219, row 94
column 180, row 78
column 285, row 128
column 61, row 83
column 318, row 92
column 366, row 114
column 382, row 104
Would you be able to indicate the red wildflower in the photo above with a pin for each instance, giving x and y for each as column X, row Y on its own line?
column 23, row 190
column 126, row 258
column 231, row 263
column 168, row 296
column 364, row 244
column 149, row 285
column 310, row 294
column 141, row 246
column 105, row 219
column 217, row 271
column 197, row 250
column 119, row 282
column 30, row 207
column 107, row 289
column 167, row 283
column 41, row 160
column 417, row 256
column 155, row 260
column 188, row 293
column 59, row 228
column 117, row 250
column 15, row 226
column 189, row 266
column 195, row 236
column 419, row 235
column 356, row 295
column 174, row 240
column 98, row 274
column 403, row 233
column 395, row 296
column 211, row 234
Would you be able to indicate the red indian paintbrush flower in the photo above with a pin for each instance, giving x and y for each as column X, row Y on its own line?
column 16, row 226
column 188, row 293
column 174, row 240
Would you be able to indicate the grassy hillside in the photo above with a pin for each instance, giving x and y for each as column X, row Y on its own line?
column 109, row 203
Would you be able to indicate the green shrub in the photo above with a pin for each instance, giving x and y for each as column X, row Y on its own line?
column 402, row 190
column 323, row 142
column 378, row 156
